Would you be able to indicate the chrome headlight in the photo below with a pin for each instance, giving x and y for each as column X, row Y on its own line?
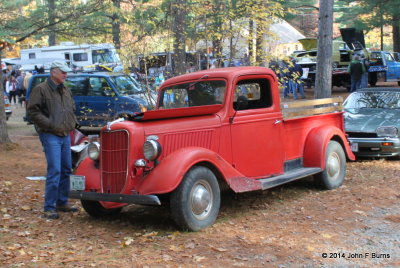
column 93, row 150
column 151, row 150
column 387, row 132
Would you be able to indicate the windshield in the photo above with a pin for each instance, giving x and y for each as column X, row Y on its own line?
column 126, row 85
column 104, row 56
column 193, row 94
column 374, row 100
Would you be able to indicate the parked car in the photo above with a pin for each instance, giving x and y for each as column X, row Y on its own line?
column 383, row 68
column 7, row 107
column 372, row 122
column 102, row 97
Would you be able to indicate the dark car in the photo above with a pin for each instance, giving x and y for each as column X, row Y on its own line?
column 372, row 122
column 102, row 97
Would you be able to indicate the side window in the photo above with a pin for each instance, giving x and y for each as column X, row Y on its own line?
column 253, row 94
column 98, row 86
column 80, row 56
column 32, row 56
column 77, row 85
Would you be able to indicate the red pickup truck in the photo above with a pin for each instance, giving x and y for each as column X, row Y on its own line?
column 211, row 129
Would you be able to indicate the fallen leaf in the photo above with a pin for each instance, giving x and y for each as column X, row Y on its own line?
column 167, row 257
column 326, row 236
column 198, row 258
column 26, row 208
column 176, row 248
column 218, row 249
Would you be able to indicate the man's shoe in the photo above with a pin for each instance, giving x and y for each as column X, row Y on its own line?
column 67, row 208
column 51, row 215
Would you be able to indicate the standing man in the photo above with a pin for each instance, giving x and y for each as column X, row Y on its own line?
column 51, row 108
column 356, row 69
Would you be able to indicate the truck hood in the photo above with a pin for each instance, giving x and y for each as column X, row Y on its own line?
column 367, row 120
column 178, row 112
column 309, row 43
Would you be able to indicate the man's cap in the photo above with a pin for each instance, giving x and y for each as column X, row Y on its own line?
column 60, row 65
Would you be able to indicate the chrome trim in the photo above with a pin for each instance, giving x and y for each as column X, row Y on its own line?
column 140, row 163
column 152, row 137
column 109, row 124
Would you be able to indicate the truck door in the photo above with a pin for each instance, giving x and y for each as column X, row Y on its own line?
column 393, row 72
column 99, row 101
column 256, row 129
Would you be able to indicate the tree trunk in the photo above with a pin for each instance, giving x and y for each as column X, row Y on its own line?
column 396, row 33
column 251, row 41
column 4, row 138
column 323, row 79
column 179, row 32
column 52, row 29
column 260, row 43
column 116, row 26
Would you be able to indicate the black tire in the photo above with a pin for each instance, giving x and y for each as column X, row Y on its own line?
column 335, row 168
column 398, row 83
column 95, row 209
column 195, row 203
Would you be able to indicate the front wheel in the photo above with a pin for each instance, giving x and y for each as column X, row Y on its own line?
column 195, row 203
column 95, row 209
column 335, row 168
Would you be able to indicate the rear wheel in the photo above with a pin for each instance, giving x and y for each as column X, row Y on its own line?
column 95, row 209
column 335, row 167
column 195, row 203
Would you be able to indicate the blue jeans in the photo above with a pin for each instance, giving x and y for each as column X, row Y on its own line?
column 59, row 168
column 298, row 86
column 355, row 84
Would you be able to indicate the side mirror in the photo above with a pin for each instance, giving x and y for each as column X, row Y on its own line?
column 241, row 103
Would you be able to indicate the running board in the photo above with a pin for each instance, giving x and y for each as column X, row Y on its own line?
column 288, row 177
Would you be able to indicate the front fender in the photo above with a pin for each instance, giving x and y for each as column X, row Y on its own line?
column 169, row 173
column 92, row 174
column 317, row 142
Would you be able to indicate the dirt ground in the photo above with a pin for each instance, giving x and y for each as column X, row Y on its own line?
column 294, row 225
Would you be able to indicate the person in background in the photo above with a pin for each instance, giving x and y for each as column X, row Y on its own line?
column 356, row 69
column 51, row 108
column 296, row 72
column 11, row 89
column 364, row 78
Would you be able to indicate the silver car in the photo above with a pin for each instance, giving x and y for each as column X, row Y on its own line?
column 372, row 122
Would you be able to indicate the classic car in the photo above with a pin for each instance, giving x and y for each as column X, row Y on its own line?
column 372, row 122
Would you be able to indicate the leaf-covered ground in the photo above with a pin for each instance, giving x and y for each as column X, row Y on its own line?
column 293, row 225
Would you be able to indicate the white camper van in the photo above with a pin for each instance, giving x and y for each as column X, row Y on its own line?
column 87, row 57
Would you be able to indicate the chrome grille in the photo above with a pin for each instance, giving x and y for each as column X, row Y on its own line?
column 114, row 160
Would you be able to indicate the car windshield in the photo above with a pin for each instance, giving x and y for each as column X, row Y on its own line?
column 193, row 94
column 126, row 85
column 374, row 100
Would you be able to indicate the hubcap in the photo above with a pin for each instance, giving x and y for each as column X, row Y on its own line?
column 201, row 199
column 333, row 165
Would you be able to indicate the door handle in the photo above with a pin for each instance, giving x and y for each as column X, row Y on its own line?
column 278, row 121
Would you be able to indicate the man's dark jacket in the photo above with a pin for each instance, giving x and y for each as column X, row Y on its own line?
column 51, row 108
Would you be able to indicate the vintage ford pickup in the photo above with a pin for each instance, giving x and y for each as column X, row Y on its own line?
column 211, row 130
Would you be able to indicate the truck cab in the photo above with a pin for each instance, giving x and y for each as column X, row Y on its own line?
column 211, row 130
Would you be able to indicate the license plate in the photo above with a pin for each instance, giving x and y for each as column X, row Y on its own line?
column 77, row 182
column 354, row 147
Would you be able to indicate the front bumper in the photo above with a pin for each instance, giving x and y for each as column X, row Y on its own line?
column 375, row 147
column 117, row 198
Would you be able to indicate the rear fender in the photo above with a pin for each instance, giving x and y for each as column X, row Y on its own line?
column 166, row 176
column 317, row 142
